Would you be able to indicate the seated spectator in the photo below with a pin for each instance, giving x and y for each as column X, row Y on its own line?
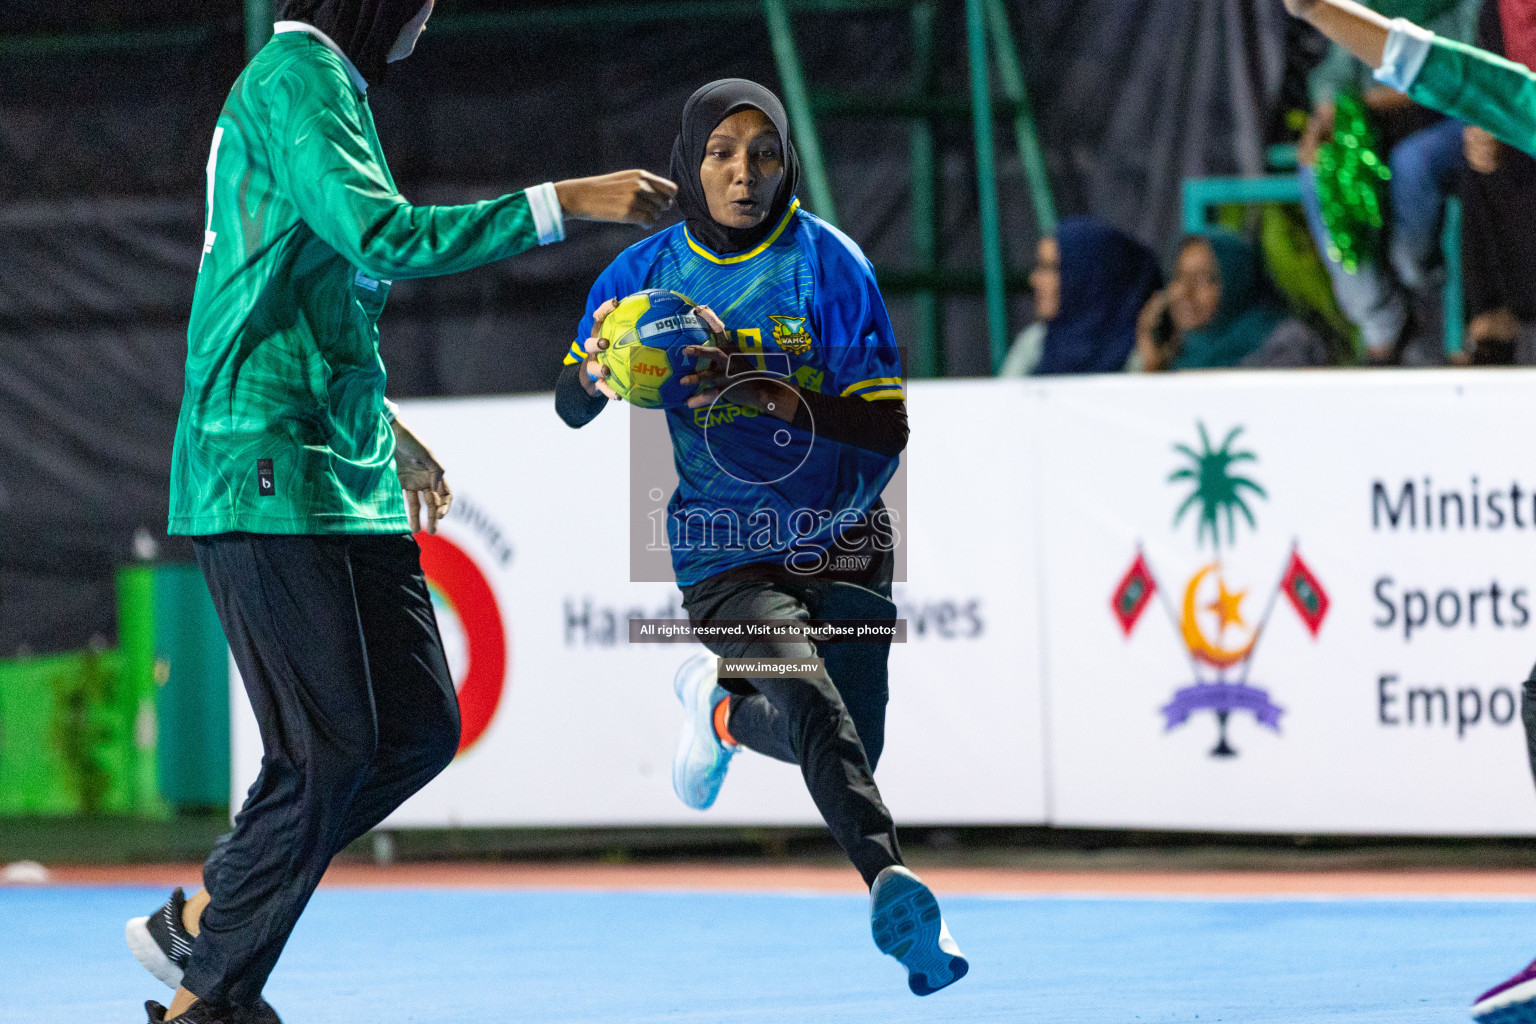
column 1090, row 282
column 1397, row 305
column 1498, row 250
column 1220, row 311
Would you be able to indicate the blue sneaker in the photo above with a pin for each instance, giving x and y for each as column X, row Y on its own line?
column 698, row 767
column 905, row 919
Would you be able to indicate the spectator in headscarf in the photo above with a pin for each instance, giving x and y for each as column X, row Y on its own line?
column 1221, row 311
column 1090, row 283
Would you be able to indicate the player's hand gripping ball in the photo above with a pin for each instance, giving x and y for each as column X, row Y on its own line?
column 646, row 335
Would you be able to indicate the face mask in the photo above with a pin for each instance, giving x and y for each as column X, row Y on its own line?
column 369, row 32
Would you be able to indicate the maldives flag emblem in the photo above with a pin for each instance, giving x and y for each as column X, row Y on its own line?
column 1207, row 614
column 1306, row 594
column 1133, row 593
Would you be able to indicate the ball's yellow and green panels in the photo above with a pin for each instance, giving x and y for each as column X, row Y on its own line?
column 636, row 371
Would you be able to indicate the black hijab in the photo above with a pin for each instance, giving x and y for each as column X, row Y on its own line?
column 365, row 30
column 702, row 114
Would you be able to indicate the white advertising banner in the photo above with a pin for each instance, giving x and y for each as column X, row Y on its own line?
column 567, row 723
column 1296, row 602
column 1290, row 602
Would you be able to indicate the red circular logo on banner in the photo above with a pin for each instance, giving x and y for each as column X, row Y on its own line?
column 457, row 581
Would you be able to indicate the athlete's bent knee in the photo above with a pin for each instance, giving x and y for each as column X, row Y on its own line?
column 443, row 745
column 439, row 736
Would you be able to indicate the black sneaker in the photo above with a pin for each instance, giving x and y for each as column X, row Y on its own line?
column 199, row 1013
column 161, row 943
column 202, row 1013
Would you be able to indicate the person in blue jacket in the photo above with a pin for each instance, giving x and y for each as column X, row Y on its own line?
column 781, row 457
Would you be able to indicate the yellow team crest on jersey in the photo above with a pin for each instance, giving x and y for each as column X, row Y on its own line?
column 792, row 334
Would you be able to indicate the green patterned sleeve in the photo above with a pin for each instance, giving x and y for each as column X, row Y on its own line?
column 341, row 189
column 1479, row 88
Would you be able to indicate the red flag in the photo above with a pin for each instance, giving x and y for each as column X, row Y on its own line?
column 1305, row 592
column 1133, row 593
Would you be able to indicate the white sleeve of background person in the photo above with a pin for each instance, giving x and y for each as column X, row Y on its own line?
column 1406, row 51
column 1025, row 354
column 391, row 411
column 548, row 218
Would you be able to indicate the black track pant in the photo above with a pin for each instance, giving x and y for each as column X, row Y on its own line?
column 338, row 646
column 832, row 725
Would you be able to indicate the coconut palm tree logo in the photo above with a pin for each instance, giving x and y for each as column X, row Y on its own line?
column 1210, row 620
column 1218, row 490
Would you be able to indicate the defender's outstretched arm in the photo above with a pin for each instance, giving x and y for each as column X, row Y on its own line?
column 1353, row 26
column 1475, row 86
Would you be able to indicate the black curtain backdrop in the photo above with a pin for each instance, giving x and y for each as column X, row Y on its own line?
column 101, row 192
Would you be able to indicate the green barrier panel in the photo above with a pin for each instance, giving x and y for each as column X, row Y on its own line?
column 134, row 771
column 72, row 738
column 38, row 775
column 130, row 731
column 190, row 666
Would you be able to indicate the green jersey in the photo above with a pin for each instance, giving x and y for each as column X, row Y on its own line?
column 1448, row 19
column 1464, row 82
column 284, row 427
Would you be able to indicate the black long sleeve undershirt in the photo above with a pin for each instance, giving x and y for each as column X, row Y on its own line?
column 879, row 427
column 572, row 402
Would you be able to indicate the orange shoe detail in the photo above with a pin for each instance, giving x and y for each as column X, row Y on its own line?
column 721, row 710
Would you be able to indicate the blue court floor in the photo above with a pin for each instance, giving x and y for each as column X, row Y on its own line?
column 364, row 956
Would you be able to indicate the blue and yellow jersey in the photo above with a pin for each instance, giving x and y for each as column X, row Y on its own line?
column 803, row 304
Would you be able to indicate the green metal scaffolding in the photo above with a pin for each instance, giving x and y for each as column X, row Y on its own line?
column 258, row 25
column 984, row 19
column 990, row 50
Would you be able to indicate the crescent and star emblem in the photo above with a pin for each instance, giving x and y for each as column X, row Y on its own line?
column 1228, row 609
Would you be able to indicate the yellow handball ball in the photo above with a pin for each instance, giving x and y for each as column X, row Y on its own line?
column 646, row 335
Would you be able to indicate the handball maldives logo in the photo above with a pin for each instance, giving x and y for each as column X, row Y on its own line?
column 474, row 636
column 1210, row 619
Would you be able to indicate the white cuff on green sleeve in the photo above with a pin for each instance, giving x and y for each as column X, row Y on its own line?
column 1407, row 50
column 548, row 218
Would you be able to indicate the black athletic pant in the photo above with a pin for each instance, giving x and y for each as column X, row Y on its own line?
column 338, row 646
column 832, row 725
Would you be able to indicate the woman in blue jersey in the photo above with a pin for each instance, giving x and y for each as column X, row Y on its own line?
column 777, row 514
